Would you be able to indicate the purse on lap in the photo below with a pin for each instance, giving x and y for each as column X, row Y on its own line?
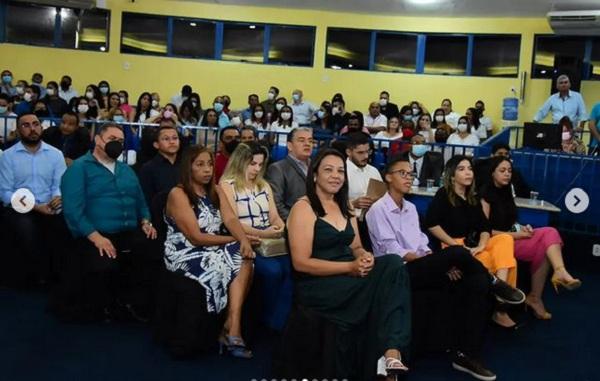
column 272, row 247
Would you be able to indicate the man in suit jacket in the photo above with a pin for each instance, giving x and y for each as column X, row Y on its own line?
column 426, row 164
column 71, row 139
column 288, row 176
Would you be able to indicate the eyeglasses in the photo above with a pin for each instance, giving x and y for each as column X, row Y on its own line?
column 403, row 174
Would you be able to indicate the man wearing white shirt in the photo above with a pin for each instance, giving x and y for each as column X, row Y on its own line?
column 303, row 111
column 485, row 121
column 66, row 91
column 375, row 121
column 8, row 121
column 359, row 171
column 564, row 103
column 186, row 92
column 451, row 116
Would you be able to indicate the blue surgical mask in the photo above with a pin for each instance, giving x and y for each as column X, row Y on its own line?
column 296, row 97
column 3, row 109
column 119, row 118
column 407, row 117
column 320, row 114
column 419, row 149
column 218, row 107
column 7, row 79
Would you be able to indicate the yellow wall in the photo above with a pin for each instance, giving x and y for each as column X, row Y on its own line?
column 210, row 78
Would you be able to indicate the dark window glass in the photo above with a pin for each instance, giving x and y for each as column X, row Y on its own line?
column 446, row 55
column 30, row 24
column 291, row 45
column 496, row 56
column 192, row 38
column 348, row 49
column 243, row 42
column 84, row 29
column 595, row 61
column 396, row 52
column 547, row 48
column 143, row 34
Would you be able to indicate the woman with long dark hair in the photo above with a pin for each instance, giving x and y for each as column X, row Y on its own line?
column 341, row 281
column 541, row 247
column 196, row 249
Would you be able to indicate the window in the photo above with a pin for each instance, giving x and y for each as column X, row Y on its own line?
column 143, row 34
column 595, row 59
column 548, row 48
column 243, row 42
column 193, row 38
column 446, row 55
column 395, row 52
column 348, row 49
column 84, row 29
column 291, row 45
column 21, row 30
column 496, row 56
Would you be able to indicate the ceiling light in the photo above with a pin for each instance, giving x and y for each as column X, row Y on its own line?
column 423, row 2
column 193, row 24
column 252, row 27
column 336, row 67
column 543, row 71
column 102, row 49
column 350, row 65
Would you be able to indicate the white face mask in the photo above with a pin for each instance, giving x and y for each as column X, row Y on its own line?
column 104, row 90
column 415, row 111
column 20, row 90
column 296, row 97
column 50, row 91
column 566, row 135
column 270, row 96
column 236, row 121
column 89, row 95
column 286, row 115
column 439, row 118
column 335, row 111
column 462, row 127
column 83, row 108
column 27, row 97
column 258, row 114
column 154, row 103
column 383, row 102
column 122, row 100
column 279, row 106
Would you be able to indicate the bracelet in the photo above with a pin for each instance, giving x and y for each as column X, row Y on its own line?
column 146, row 222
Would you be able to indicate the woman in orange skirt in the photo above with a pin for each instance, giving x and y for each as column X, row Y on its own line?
column 455, row 217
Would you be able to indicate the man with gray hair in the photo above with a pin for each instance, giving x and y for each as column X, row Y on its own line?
column 564, row 103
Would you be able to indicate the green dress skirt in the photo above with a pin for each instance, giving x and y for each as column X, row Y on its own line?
column 372, row 314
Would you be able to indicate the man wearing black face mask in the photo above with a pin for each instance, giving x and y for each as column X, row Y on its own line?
column 66, row 92
column 107, row 213
column 229, row 138
column 38, row 167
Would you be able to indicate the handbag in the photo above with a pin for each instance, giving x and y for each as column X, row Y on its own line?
column 272, row 247
column 472, row 239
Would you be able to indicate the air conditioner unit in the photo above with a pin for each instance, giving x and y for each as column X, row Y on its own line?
column 575, row 23
column 77, row 4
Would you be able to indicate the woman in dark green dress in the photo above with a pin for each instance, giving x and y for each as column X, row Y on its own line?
column 343, row 283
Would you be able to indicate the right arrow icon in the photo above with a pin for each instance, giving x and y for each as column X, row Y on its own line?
column 577, row 200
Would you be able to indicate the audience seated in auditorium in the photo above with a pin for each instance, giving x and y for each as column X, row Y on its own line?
column 281, row 127
column 196, row 251
column 69, row 137
column 258, row 118
column 304, row 111
column 105, row 210
column 30, row 97
column 418, row 109
column 252, row 101
column 426, row 165
column 184, row 95
column 594, row 126
column 477, row 128
column 375, row 121
column 253, row 203
column 482, row 171
column 143, row 110
column 56, row 105
column 451, row 117
column 341, row 282
column 269, row 103
column 339, row 115
column 37, row 80
column 359, row 172
column 394, row 229
column 354, row 125
column 423, row 128
column 222, row 116
column 388, row 108
column 323, row 123
column 6, row 85
column 391, row 133
column 229, row 138
column 8, row 125
column 67, row 92
column 161, row 173
column 248, row 134
column 463, row 136
column 570, row 142
column 484, row 121
column 37, row 234
column 542, row 247
column 288, row 176
column 125, row 106
column 455, row 217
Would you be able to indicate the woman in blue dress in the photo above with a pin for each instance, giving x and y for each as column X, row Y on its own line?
column 196, row 249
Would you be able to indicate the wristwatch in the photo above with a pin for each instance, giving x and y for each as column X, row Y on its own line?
column 146, row 222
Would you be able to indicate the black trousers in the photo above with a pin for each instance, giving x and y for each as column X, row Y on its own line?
column 93, row 282
column 470, row 303
column 35, row 247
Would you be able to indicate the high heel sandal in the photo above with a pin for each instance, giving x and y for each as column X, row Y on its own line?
column 570, row 285
column 235, row 346
column 545, row 316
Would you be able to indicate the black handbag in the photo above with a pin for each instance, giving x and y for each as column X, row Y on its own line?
column 472, row 239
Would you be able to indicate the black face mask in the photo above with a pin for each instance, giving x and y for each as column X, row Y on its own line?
column 42, row 113
column 231, row 146
column 113, row 149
